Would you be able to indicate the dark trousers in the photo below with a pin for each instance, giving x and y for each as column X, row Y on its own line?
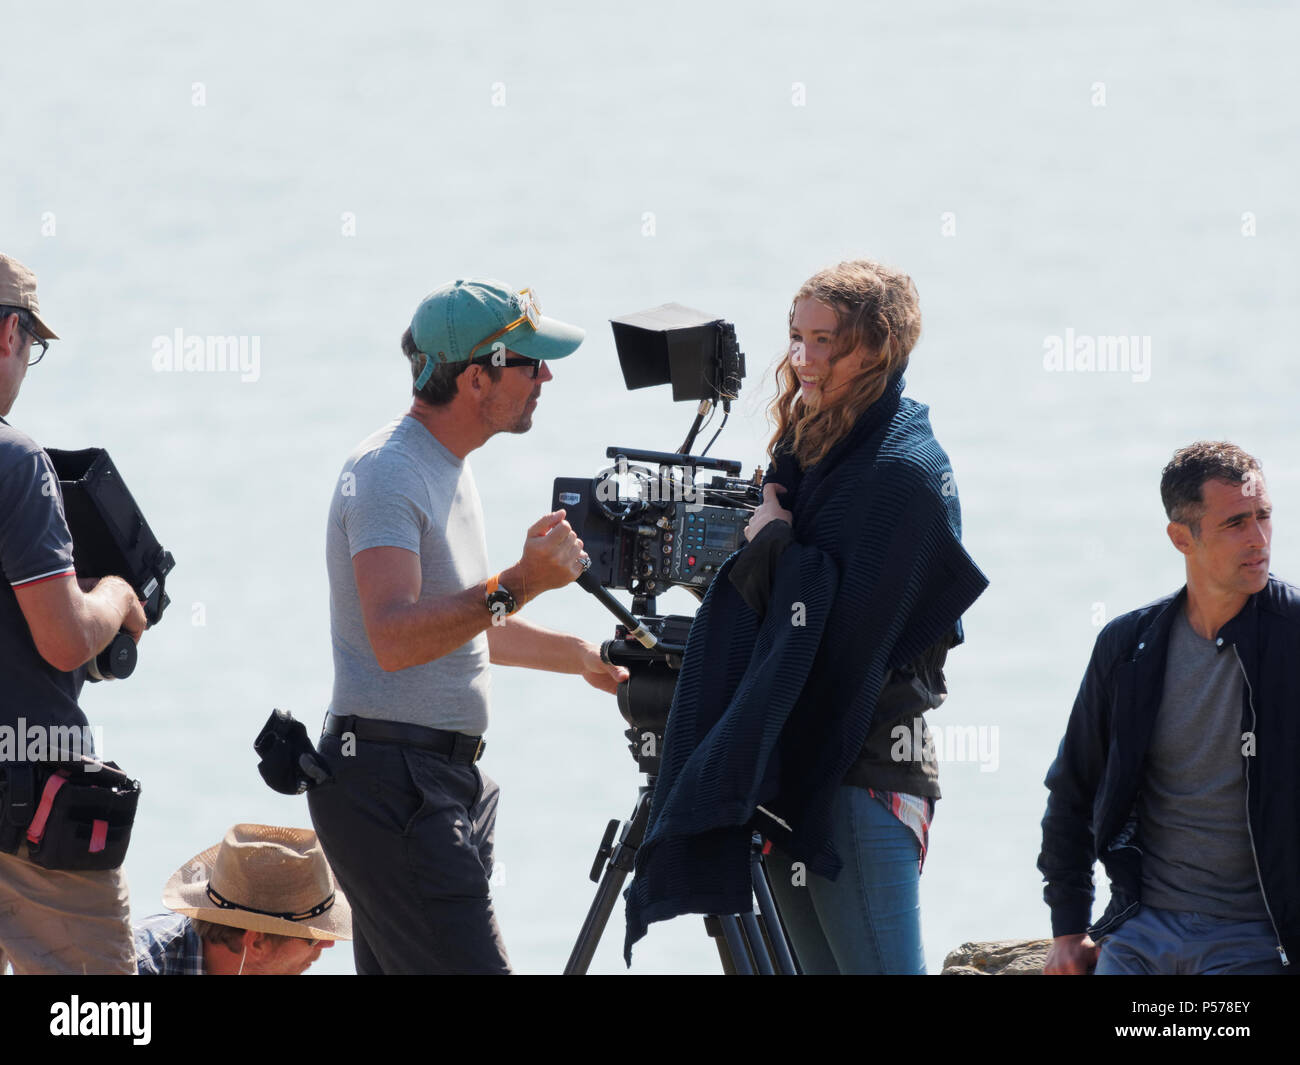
column 408, row 834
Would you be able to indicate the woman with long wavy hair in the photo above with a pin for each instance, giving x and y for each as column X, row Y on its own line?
column 818, row 648
column 852, row 330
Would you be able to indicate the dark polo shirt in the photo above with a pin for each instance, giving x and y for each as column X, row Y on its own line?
column 35, row 546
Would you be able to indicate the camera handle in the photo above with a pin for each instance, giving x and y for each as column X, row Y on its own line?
column 116, row 661
column 635, row 629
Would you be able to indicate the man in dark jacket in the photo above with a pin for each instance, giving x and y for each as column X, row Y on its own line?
column 1178, row 765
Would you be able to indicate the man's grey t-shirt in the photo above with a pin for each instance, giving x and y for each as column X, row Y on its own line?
column 1192, row 809
column 402, row 488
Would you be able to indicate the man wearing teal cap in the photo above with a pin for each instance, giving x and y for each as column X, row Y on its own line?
column 416, row 616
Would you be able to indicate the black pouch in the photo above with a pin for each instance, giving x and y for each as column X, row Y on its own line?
column 84, row 813
column 17, row 803
column 289, row 762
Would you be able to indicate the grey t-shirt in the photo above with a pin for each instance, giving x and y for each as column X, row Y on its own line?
column 1192, row 810
column 402, row 488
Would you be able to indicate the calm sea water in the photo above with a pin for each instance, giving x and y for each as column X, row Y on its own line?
column 301, row 176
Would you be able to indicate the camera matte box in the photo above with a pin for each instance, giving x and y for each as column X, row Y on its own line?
column 109, row 534
column 671, row 343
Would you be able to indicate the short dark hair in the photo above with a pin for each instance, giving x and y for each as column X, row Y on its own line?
column 440, row 389
column 1191, row 467
column 227, row 935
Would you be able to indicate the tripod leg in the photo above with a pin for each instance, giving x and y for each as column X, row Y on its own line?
column 713, row 927
column 729, row 938
column 584, row 949
column 621, row 861
column 758, row 946
column 773, row 930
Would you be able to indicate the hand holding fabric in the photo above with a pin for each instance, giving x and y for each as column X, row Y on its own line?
column 768, row 510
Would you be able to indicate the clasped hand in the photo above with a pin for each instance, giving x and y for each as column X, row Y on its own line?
column 768, row 510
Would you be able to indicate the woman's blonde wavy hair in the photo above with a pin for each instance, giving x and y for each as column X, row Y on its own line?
column 878, row 315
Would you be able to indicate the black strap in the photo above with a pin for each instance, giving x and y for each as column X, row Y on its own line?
column 17, row 803
column 225, row 904
column 455, row 745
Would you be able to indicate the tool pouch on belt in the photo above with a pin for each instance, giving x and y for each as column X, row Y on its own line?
column 83, row 816
column 17, row 803
column 289, row 762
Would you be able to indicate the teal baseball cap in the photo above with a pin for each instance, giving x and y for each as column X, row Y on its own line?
column 466, row 319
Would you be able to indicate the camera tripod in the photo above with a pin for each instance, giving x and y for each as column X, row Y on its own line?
column 652, row 647
column 748, row 943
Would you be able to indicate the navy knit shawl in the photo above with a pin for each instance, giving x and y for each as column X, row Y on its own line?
column 876, row 574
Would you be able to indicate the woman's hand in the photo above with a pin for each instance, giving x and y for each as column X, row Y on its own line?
column 768, row 510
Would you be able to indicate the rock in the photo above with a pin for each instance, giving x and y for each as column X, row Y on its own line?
column 1004, row 957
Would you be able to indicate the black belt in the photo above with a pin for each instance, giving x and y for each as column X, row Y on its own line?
column 455, row 745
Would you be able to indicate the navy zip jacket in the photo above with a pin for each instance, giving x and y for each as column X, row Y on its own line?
column 1095, row 780
column 875, row 576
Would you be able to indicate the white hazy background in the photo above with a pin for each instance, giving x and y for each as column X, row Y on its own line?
column 190, row 166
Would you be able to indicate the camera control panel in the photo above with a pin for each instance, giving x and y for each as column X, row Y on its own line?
column 688, row 546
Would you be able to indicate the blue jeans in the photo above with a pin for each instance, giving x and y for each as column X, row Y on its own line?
column 1170, row 942
column 867, row 920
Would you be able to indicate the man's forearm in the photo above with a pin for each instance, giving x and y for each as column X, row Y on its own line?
column 421, row 632
column 521, row 643
column 405, row 631
column 101, row 613
column 103, row 609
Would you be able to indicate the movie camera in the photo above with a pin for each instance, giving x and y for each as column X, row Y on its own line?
column 648, row 528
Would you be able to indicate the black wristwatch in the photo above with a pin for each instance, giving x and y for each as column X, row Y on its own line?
column 496, row 594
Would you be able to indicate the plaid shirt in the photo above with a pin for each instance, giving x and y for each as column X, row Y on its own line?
column 915, row 811
column 166, row 944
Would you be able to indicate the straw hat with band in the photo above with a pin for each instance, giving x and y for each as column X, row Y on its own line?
column 265, row 879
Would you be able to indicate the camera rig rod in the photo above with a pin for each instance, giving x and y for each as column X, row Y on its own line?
column 635, row 628
column 730, row 467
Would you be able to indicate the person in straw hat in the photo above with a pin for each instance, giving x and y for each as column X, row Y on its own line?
column 263, row 901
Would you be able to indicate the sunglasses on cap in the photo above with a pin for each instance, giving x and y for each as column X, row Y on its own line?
column 532, row 314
